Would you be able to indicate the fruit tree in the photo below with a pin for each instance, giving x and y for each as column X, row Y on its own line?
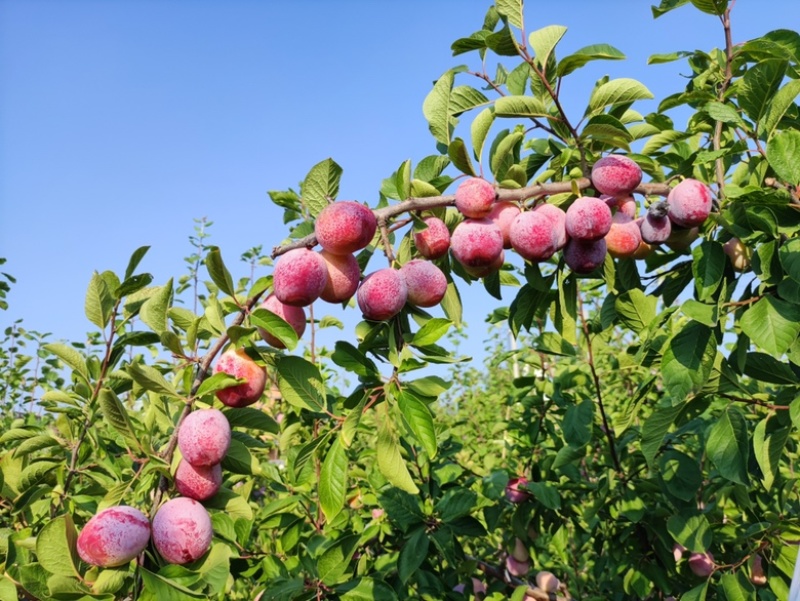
column 634, row 434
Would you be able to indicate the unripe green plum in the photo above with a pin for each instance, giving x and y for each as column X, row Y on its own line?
column 588, row 218
column 344, row 274
column 204, row 437
column 294, row 316
column 198, row 482
column 426, row 283
column 114, row 536
column 475, row 197
column 616, row 175
column 238, row 364
column 182, row 530
column 345, row 227
column 299, row 277
column 434, row 241
column 476, row 243
column 689, row 203
column 382, row 294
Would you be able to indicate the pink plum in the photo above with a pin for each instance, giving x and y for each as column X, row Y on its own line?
column 344, row 274
column 474, row 197
column 624, row 237
column 503, row 214
column 345, row 227
column 204, row 437
column 616, row 175
column 584, row 256
column 434, row 241
column 382, row 294
column 559, row 220
column 238, row 364
column 114, row 536
column 426, row 283
column 200, row 482
column 299, row 277
column 533, row 236
column 588, row 218
column 689, row 203
column 476, row 243
column 514, row 493
column 182, row 530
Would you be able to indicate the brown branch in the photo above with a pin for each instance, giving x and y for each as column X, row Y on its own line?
column 756, row 402
column 433, row 202
column 726, row 82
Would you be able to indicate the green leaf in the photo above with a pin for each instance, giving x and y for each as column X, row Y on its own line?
column 737, row 586
column 390, row 460
column 636, row 309
column 218, row 381
column 160, row 588
column 688, row 360
column 151, row 379
column 134, row 261
column 505, row 154
column 708, row 268
column 56, row 547
column 420, row 419
column 353, row 360
column 333, row 481
column 99, row 303
column 655, row 429
column 436, row 108
column 432, row 331
column 680, row 474
column 728, row 445
column 252, row 419
column 546, row 494
column 711, row 7
column 480, row 129
column 769, row 441
column 458, row 154
column 133, row 284
column 300, row 383
column 782, row 152
column 782, row 101
column 334, row 562
column 543, row 41
column 321, row 185
column 413, row 554
column 511, row 10
column 154, row 310
column 277, row 326
column 116, row 416
column 698, row 593
column 567, row 308
column 577, row 424
column 465, row 98
column 580, row 57
column 617, row 91
column 402, row 180
column 723, row 112
column 520, row 106
column 218, row 272
column 758, row 85
column 451, row 302
column 69, row 356
column 666, row 6
column 772, row 324
column 369, row 589
column 692, row 532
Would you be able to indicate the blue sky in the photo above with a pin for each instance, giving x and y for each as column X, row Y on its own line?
column 121, row 122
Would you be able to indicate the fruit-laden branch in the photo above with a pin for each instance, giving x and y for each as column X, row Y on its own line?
column 432, row 202
column 533, row 591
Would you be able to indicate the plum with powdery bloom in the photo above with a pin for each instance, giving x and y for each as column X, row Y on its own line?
column 299, row 277
column 345, row 227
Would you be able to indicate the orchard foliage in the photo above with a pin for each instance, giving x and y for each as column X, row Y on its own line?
column 644, row 413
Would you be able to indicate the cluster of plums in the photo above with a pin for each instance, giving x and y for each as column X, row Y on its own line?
column 181, row 528
column 588, row 230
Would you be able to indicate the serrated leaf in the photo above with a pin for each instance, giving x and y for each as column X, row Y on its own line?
column 151, row 379
column 617, row 91
column 520, row 106
column 333, row 481
column 666, row 6
column 277, row 326
column 420, row 419
column 511, row 10
column 479, row 129
column 56, row 547
column 711, row 7
column 252, row 419
column 708, row 268
column 390, row 461
column 688, row 360
column 99, row 302
column 218, row 272
column 402, row 180
column 728, row 445
column 321, row 185
column 758, row 85
column 436, row 108
column 768, row 445
column 69, row 356
column 782, row 101
column 635, row 309
column 116, row 416
column 459, row 155
column 300, row 383
column 782, row 152
column 333, row 563
column 693, row 532
column 772, row 324
column 154, row 310
column 134, row 261
column 432, row 331
column 543, row 41
column 579, row 58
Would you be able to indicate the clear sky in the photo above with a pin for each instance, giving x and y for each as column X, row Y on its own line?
column 123, row 121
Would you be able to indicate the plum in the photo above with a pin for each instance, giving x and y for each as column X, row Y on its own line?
column 114, row 536
column 238, row 364
column 382, row 294
column 689, row 203
column 588, row 218
column 182, row 530
column 434, row 241
column 294, row 316
column 204, row 437
column 345, row 227
column 344, row 274
column 299, row 277
column 474, row 197
column 616, row 175
column 425, row 282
